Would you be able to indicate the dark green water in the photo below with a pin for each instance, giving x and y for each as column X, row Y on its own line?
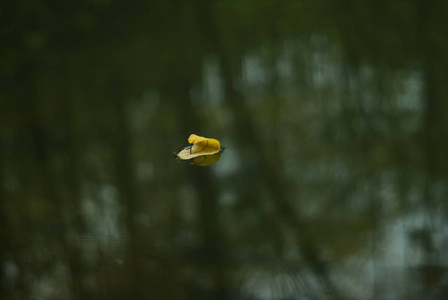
column 333, row 184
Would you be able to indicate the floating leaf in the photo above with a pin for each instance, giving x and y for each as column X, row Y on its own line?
column 200, row 147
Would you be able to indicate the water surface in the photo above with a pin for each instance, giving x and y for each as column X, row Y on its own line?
column 333, row 183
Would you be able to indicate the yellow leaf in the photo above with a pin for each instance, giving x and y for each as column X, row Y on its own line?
column 200, row 146
column 193, row 138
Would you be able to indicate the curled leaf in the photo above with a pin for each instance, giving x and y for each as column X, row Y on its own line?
column 193, row 138
column 200, row 146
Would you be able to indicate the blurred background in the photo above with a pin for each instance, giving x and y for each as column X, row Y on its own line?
column 333, row 184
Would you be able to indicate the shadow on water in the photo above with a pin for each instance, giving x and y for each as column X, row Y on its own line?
column 333, row 184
